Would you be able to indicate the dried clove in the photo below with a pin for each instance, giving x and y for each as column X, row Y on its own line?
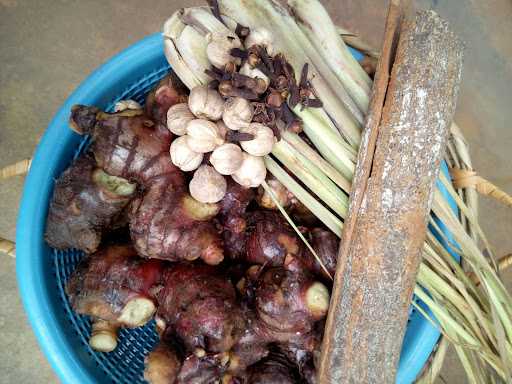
column 275, row 99
column 236, row 136
column 240, row 80
column 259, row 107
column 279, row 64
column 230, row 68
column 304, row 77
column 281, row 83
column 227, row 89
column 253, row 59
column 294, row 95
column 214, row 84
column 241, row 31
column 287, row 114
column 214, row 5
column 240, row 53
column 289, row 72
column 304, row 93
column 267, row 60
column 214, row 74
column 314, row 103
column 295, row 126
column 260, row 118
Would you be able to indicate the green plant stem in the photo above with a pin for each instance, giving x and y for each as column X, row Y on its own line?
column 302, row 147
column 317, row 25
column 329, row 219
column 312, row 177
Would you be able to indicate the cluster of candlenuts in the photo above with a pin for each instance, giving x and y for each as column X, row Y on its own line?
column 204, row 125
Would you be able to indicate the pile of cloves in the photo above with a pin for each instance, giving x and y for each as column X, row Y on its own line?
column 229, row 125
column 267, row 81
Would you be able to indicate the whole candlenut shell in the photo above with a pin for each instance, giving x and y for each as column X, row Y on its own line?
column 206, row 103
column 207, row 185
column 203, row 136
column 183, row 157
column 227, row 158
column 263, row 141
column 251, row 173
column 238, row 113
column 178, row 116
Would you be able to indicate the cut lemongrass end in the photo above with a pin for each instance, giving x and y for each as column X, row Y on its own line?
column 203, row 21
column 192, row 48
column 172, row 30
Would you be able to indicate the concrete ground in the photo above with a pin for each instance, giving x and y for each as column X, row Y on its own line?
column 48, row 47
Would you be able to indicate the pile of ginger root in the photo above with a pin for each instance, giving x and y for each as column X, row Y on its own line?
column 236, row 296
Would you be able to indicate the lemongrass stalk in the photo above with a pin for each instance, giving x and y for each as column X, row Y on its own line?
column 436, row 285
column 328, row 144
column 254, row 15
column 458, row 281
column 203, row 21
column 349, row 150
column 312, row 177
column 192, row 47
column 302, row 147
column 499, row 298
column 445, row 332
column 356, row 42
column 443, row 316
column 172, row 29
column 471, row 368
column 292, row 224
column 323, row 214
column 439, row 249
column 284, row 20
column 316, row 23
column 465, row 211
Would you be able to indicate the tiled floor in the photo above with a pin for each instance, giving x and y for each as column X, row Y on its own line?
column 48, row 47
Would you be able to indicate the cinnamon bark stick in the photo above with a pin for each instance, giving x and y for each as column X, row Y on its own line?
column 398, row 164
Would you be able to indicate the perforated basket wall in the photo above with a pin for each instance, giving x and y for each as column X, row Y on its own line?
column 42, row 272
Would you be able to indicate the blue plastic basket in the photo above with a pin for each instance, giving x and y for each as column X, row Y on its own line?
column 42, row 272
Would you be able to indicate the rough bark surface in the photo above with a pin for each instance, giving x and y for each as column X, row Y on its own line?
column 377, row 266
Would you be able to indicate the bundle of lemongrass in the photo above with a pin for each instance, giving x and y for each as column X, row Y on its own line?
column 474, row 314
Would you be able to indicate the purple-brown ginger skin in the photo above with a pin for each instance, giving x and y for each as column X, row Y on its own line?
column 270, row 239
column 196, row 370
column 281, row 301
column 271, row 371
column 199, row 305
column 81, row 209
column 232, row 217
column 134, row 147
column 107, row 280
